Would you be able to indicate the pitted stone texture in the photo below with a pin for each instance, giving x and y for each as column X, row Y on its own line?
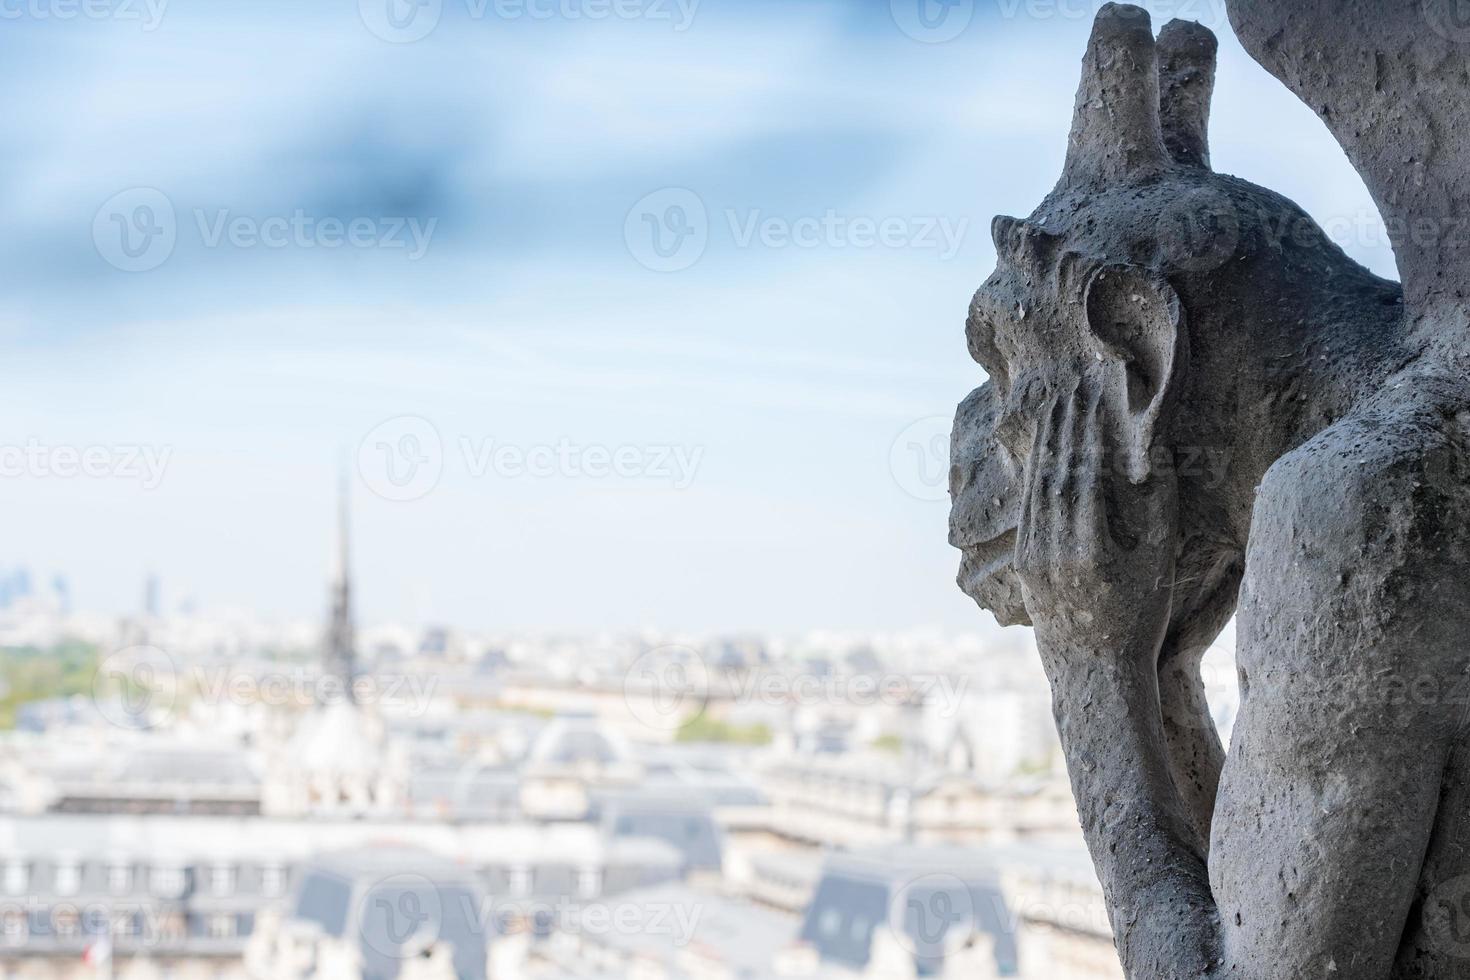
column 1199, row 406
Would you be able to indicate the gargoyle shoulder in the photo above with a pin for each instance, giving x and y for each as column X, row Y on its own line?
column 1366, row 528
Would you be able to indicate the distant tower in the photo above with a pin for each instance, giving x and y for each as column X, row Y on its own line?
column 339, row 659
column 338, row 760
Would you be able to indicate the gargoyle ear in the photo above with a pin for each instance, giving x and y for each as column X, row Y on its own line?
column 1135, row 323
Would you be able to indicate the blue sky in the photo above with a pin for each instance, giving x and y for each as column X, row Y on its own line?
column 840, row 173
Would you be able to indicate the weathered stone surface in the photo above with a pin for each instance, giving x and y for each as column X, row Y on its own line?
column 1200, row 406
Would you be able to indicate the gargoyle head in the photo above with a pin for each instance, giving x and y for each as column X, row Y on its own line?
column 1141, row 277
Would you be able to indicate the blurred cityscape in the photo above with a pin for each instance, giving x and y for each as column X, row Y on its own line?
column 183, row 796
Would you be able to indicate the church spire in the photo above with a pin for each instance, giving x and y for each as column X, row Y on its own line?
column 340, row 658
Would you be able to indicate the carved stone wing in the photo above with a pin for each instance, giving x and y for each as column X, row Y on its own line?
column 1391, row 79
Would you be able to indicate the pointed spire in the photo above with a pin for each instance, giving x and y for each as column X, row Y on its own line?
column 339, row 655
column 341, row 557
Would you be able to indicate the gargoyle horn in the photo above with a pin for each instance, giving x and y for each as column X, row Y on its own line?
column 1187, row 53
column 1116, row 130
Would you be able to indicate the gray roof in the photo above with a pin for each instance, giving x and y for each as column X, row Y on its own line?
column 467, row 792
column 577, row 739
column 736, row 933
column 934, row 898
column 394, row 903
column 686, row 824
column 186, row 765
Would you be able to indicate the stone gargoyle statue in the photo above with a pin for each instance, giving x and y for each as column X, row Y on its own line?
column 1198, row 406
